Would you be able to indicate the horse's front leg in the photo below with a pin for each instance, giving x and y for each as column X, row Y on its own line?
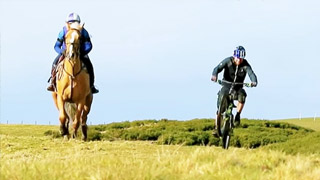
column 62, row 117
column 77, row 117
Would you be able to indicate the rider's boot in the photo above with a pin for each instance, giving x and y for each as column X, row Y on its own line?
column 237, row 120
column 94, row 90
column 50, row 87
column 89, row 67
column 52, row 80
column 52, row 83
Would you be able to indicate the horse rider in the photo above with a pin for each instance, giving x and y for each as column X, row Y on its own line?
column 235, row 69
column 86, row 47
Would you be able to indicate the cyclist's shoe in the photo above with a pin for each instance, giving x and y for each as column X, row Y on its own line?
column 237, row 120
column 215, row 133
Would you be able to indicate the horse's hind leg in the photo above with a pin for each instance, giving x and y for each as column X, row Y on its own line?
column 86, row 110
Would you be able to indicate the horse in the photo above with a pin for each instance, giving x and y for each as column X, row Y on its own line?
column 73, row 97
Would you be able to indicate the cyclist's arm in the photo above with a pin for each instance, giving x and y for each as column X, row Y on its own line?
column 251, row 74
column 220, row 67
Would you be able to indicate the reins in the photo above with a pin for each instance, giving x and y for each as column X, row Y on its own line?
column 71, row 76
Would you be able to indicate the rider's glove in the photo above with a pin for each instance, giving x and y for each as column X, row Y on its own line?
column 214, row 78
column 253, row 84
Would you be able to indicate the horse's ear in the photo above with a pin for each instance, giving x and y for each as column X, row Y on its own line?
column 82, row 25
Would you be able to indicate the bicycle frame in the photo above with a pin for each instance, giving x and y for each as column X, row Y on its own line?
column 224, row 120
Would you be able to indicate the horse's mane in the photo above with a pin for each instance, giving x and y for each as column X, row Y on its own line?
column 75, row 25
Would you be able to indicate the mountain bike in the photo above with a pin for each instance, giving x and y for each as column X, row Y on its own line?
column 225, row 119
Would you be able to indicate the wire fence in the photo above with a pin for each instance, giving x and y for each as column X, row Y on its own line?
column 35, row 123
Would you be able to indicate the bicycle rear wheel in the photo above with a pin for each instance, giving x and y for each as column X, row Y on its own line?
column 220, row 120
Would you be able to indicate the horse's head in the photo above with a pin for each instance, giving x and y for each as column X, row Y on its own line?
column 72, row 40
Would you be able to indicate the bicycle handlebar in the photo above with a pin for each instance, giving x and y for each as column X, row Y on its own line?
column 234, row 83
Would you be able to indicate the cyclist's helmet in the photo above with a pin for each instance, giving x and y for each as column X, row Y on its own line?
column 239, row 52
column 73, row 17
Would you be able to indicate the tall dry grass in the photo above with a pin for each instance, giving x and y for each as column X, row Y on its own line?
column 33, row 157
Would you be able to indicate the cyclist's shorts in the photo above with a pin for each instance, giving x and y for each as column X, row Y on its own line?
column 241, row 95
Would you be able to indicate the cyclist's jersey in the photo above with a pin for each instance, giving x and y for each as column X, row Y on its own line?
column 230, row 69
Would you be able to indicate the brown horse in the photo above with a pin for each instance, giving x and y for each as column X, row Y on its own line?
column 73, row 97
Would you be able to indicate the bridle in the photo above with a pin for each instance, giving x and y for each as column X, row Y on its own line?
column 72, row 53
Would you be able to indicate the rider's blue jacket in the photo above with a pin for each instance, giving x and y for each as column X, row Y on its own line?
column 86, row 44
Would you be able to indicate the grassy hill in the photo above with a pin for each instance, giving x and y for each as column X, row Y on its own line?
column 289, row 152
column 251, row 133
column 26, row 153
column 310, row 123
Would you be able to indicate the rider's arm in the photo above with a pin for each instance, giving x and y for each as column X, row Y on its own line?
column 59, row 42
column 220, row 66
column 251, row 74
column 87, row 45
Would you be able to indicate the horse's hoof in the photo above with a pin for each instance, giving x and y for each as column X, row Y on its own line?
column 65, row 137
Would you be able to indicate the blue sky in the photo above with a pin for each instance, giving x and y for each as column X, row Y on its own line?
column 154, row 59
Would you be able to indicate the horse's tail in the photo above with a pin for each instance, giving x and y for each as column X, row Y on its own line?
column 70, row 109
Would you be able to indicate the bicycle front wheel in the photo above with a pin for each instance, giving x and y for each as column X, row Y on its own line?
column 221, row 120
column 226, row 134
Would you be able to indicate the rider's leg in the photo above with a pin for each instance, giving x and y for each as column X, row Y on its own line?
column 240, row 106
column 241, row 101
column 52, row 79
column 88, row 64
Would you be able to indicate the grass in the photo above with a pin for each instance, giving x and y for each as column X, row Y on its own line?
column 308, row 144
column 26, row 130
column 26, row 154
column 251, row 133
column 304, row 122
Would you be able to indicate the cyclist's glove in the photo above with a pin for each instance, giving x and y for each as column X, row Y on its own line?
column 253, row 84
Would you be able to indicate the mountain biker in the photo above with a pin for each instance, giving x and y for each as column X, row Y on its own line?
column 235, row 69
column 86, row 47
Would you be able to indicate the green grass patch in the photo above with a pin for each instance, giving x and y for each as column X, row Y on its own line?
column 251, row 133
column 309, row 144
column 27, row 130
column 310, row 123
